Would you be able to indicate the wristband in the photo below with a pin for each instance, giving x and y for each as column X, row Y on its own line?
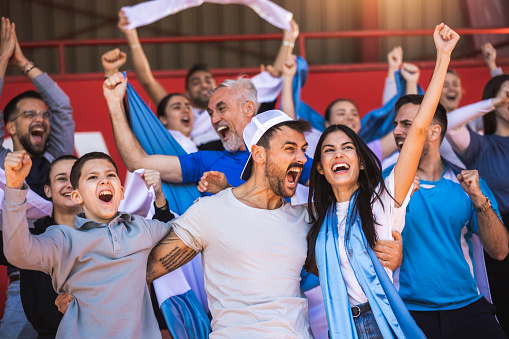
column 29, row 69
column 22, row 68
column 135, row 46
column 484, row 207
column 288, row 43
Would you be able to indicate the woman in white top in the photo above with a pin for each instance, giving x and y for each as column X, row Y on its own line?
column 354, row 207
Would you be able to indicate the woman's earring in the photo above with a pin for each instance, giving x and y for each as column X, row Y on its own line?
column 362, row 167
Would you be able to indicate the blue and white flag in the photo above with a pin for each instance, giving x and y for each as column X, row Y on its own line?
column 184, row 309
column 380, row 122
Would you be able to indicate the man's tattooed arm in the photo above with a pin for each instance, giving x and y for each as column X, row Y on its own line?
column 167, row 256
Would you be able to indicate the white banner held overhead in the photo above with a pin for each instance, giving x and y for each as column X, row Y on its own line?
column 150, row 11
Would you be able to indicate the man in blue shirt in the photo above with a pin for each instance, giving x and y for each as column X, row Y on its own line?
column 437, row 278
column 231, row 107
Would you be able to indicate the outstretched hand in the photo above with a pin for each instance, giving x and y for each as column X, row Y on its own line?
column 490, row 55
column 502, row 97
column 114, row 88
column 112, row 61
column 213, row 182
column 290, row 66
column 17, row 166
column 7, row 39
column 292, row 35
column 123, row 22
column 395, row 58
column 445, row 39
column 410, row 72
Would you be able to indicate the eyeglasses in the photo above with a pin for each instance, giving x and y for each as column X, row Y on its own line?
column 31, row 115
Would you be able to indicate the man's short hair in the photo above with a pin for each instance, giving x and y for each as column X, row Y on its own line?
column 78, row 165
column 242, row 90
column 300, row 125
column 47, row 180
column 11, row 108
column 196, row 68
column 440, row 117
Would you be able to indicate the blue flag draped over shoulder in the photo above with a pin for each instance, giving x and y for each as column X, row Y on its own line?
column 303, row 110
column 155, row 139
column 183, row 313
column 379, row 122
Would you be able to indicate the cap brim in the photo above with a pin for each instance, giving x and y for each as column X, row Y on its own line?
column 246, row 172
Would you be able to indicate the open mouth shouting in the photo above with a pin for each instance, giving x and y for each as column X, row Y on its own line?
column 223, row 131
column 106, row 195
column 451, row 97
column 399, row 143
column 340, row 168
column 37, row 133
column 293, row 174
column 186, row 120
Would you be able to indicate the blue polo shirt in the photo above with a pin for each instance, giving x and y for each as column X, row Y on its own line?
column 438, row 268
column 230, row 163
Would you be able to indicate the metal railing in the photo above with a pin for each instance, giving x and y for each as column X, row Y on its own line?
column 303, row 37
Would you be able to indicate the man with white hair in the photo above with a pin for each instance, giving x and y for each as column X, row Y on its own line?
column 231, row 107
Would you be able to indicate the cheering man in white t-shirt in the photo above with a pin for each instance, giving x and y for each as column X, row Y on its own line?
column 252, row 241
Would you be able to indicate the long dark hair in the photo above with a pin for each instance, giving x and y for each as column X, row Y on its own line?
column 321, row 195
column 490, row 91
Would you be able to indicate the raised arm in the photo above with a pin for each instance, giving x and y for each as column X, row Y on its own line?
column 112, row 60
column 394, row 60
column 492, row 232
column 457, row 131
column 141, row 66
column 289, row 70
column 410, row 73
column 167, row 256
column 286, row 49
column 406, row 166
column 133, row 155
column 21, row 248
column 62, row 123
column 7, row 46
column 490, row 57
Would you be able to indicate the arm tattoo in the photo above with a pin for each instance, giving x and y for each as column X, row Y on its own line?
column 167, row 256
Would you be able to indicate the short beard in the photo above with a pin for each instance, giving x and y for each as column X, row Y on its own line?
column 276, row 178
column 36, row 152
column 233, row 144
column 200, row 103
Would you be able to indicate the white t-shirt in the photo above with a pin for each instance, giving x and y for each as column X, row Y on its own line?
column 388, row 217
column 252, row 260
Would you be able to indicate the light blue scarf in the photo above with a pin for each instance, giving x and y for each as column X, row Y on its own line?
column 390, row 313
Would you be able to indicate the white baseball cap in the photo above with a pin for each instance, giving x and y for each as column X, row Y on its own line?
column 256, row 129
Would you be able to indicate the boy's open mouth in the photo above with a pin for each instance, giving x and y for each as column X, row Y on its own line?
column 106, row 195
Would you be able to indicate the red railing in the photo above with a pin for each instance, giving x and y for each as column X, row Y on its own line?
column 303, row 37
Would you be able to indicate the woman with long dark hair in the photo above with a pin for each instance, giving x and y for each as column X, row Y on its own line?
column 351, row 206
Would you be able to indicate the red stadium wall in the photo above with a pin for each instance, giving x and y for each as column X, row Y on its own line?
column 365, row 88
